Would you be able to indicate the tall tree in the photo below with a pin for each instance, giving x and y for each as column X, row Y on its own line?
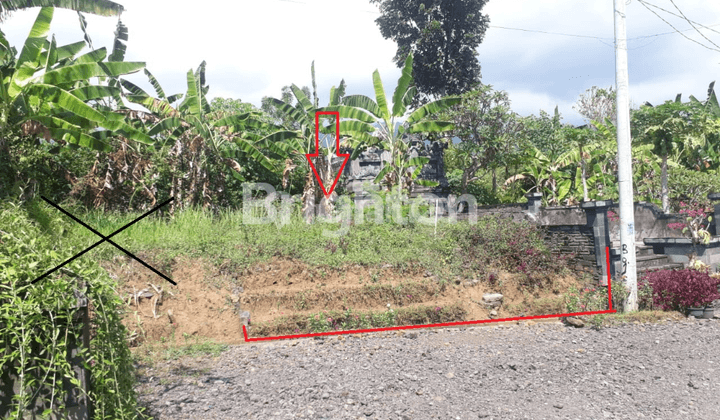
column 596, row 104
column 669, row 127
column 443, row 36
column 487, row 128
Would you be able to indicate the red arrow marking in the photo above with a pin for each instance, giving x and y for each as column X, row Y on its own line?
column 346, row 156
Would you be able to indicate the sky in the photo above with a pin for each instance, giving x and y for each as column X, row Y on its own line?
column 254, row 48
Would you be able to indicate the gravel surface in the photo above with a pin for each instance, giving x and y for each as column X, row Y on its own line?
column 527, row 371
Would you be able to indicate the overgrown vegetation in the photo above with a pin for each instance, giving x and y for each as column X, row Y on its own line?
column 36, row 324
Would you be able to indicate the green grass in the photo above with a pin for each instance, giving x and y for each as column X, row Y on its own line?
column 197, row 233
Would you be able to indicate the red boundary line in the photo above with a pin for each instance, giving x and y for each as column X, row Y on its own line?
column 446, row 324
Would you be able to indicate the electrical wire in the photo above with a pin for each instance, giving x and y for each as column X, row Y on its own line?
column 676, row 30
column 691, row 24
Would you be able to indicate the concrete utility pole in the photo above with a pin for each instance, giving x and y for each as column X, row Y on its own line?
column 627, row 206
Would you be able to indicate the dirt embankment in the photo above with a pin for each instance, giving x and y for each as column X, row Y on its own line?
column 208, row 299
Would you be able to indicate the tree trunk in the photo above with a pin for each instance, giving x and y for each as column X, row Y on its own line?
column 494, row 180
column 583, row 175
column 664, row 186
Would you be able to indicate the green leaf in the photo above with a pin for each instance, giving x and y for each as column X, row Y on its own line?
column 51, row 56
column 96, row 7
column 431, row 127
column 119, row 46
column 133, row 88
column 65, row 100
column 87, row 93
column 402, row 87
column 418, row 161
column 427, row 183
column 347, row 127
column 165, row 124
column 364, row 102
column 302, row 99
column 432, row 108
column 384, row 171
column 153, row 81
column 351, row 112
column 94, row 56
column 290, row 112
column 192, row 101
column 28, row 61
column 380, row 96
column 86, row 71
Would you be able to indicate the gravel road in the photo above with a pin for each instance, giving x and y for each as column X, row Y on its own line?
column 669, row 370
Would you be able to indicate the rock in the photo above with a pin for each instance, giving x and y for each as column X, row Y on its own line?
column 245, row 318
column 493, row 300
column 235, row 298
column 575, row 322
column 493, row 313
column 428, row 273
column 450, row 375
column 411, row 335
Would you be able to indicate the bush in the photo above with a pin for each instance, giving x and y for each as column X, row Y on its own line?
column 677, row 290
column 505, row 244
column 39, row 316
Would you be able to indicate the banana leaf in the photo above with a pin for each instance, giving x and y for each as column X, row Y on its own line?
column 30, row 54
column 432, row 108
column 94, row 56
column 404, row 82
column 364, row 102
column 381, row 100
column 119, row 46
column 153, row 81
column 86, row 71
column 431, row 127
column 64, row 100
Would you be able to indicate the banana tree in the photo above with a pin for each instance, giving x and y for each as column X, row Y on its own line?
column 379, row 124
column 96, row 7
column 198, row 140
column 554, row 178
column 46, row 90
column 300, row 141
column 706, row 156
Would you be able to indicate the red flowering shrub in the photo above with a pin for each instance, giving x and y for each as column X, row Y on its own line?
column 681, row 289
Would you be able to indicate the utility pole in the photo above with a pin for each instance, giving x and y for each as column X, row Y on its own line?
column 627, row 206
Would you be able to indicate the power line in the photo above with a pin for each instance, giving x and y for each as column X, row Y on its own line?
column 550, row 33
column 691, row 24
column 676, row 15
column 676, row 30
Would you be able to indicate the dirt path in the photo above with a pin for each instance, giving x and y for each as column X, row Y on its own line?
column 542, row 371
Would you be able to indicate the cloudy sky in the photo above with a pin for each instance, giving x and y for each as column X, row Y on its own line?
column 557, row 49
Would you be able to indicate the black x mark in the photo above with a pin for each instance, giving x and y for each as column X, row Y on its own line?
column 106, row 238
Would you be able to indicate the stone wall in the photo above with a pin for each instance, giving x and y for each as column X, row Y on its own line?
column 577, row 243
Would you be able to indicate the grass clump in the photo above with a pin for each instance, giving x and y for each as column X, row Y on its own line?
column 326, row 321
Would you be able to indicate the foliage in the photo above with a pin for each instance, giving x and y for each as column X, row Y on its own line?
column 33, row 316
column 543, row 132
column 681, row 289
column 587, row 299
column 488, row 131
column 363, row 116
column 597, row 104
column 443, row 36
column 46, row 91
column 695, row 215
column 502, row 243
column 669, row 127
column 97, row 7
column 684, row 185
column 201, row 146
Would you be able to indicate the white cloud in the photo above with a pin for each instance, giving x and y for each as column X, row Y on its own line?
column 253, row 48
